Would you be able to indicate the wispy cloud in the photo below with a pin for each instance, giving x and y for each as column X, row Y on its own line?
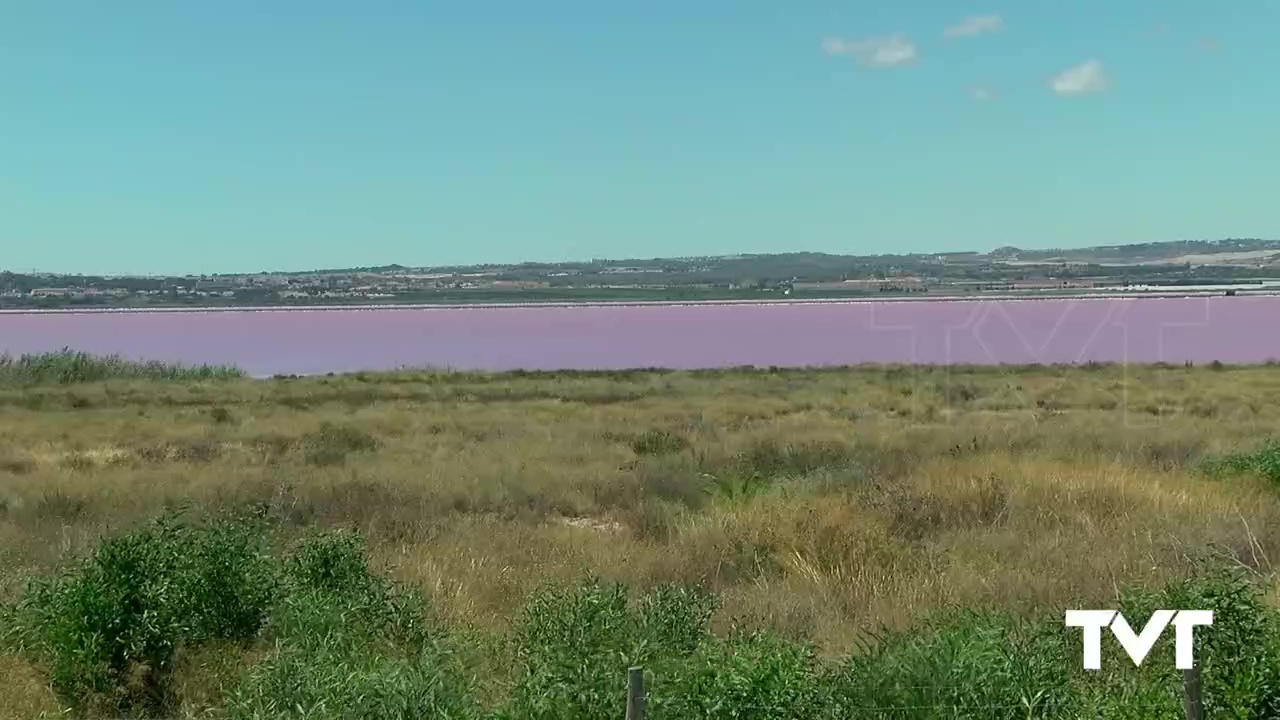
column 1083, row 79
column 975, row 25
column 982, row 93
column 891, row 51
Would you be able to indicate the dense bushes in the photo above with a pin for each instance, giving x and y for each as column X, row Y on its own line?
column 321, row 636
column 962, row 663
column 109, row 627
column 347, row 643
column 572, row 646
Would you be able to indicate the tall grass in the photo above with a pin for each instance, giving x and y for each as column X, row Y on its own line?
column 323, row 636
column 67, row 367
column 837, row 543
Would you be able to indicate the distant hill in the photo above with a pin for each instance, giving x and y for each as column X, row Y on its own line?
column 1232, row 251
column 1246, row 253
column 743, row 276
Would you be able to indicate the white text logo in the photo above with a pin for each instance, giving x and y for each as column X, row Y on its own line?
column 1137, row 645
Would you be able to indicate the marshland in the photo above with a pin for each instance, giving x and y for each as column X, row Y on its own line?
column 873, row 541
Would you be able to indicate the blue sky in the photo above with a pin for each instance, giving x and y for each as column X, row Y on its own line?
column 158, row 136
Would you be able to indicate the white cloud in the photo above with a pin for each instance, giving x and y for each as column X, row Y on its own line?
column 1087, row 77
column 891, row 51
column 982, row 93
column 975, row 25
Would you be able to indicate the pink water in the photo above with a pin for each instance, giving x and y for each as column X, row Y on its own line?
column 1203, row 329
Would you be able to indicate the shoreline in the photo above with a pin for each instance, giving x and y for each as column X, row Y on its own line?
column 635, row 303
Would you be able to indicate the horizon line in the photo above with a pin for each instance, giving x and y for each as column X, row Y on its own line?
column 594, row 260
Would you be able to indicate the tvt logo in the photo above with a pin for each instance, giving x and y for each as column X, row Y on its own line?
column 1137, row 645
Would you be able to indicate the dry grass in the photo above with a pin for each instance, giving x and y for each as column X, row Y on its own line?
column 822, row 503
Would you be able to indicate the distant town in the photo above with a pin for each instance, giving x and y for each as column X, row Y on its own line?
column 1233, row 265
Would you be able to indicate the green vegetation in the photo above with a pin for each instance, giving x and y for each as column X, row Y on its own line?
column 878, row 542
column 331, row 639
column 108, row 629
column 67, row 367
column 1263, row 462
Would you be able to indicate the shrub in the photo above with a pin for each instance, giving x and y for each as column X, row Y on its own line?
column 108, row 627
column 331, row 594
column 339, row 641
column 673, row 619
column 1239, row 655
column 332, row 443
column 348, row 644
column 573, row 646
column 333, row 685
column 770, row 459
column 751, row 675
column 736, row 489
column 1264, row 462
column 659, row 442
column 334, row 563
column 228, row 581
column 958, row 665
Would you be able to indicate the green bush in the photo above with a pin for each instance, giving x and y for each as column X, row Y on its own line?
column 658, row 442
column 959, row 664
column 749, row 675
column 1263, row 462
column 331, row 594
column 573, row 646
column 1239, row 655
column 345, row 685
column 333, row 639
column 108, row 628
column 673, row 619
column 228, row 580
column 348, row 644
column 351, row 656
column 334, row 563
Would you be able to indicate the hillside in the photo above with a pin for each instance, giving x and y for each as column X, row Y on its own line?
column 1243, row 252
column 744, row 277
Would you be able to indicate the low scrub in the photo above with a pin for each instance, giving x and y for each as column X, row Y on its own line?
column 332, row 443
column 347, row 643
column 107, row 629
column 322, row 636
column 1263, row 462
column 659, row 442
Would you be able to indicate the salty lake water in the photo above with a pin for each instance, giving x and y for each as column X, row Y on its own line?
column 1074, row 330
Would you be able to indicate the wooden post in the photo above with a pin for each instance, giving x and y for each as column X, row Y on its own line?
column 635, row 693
column 1192, row 702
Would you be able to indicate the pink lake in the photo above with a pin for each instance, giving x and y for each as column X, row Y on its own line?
column 1074, row 330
